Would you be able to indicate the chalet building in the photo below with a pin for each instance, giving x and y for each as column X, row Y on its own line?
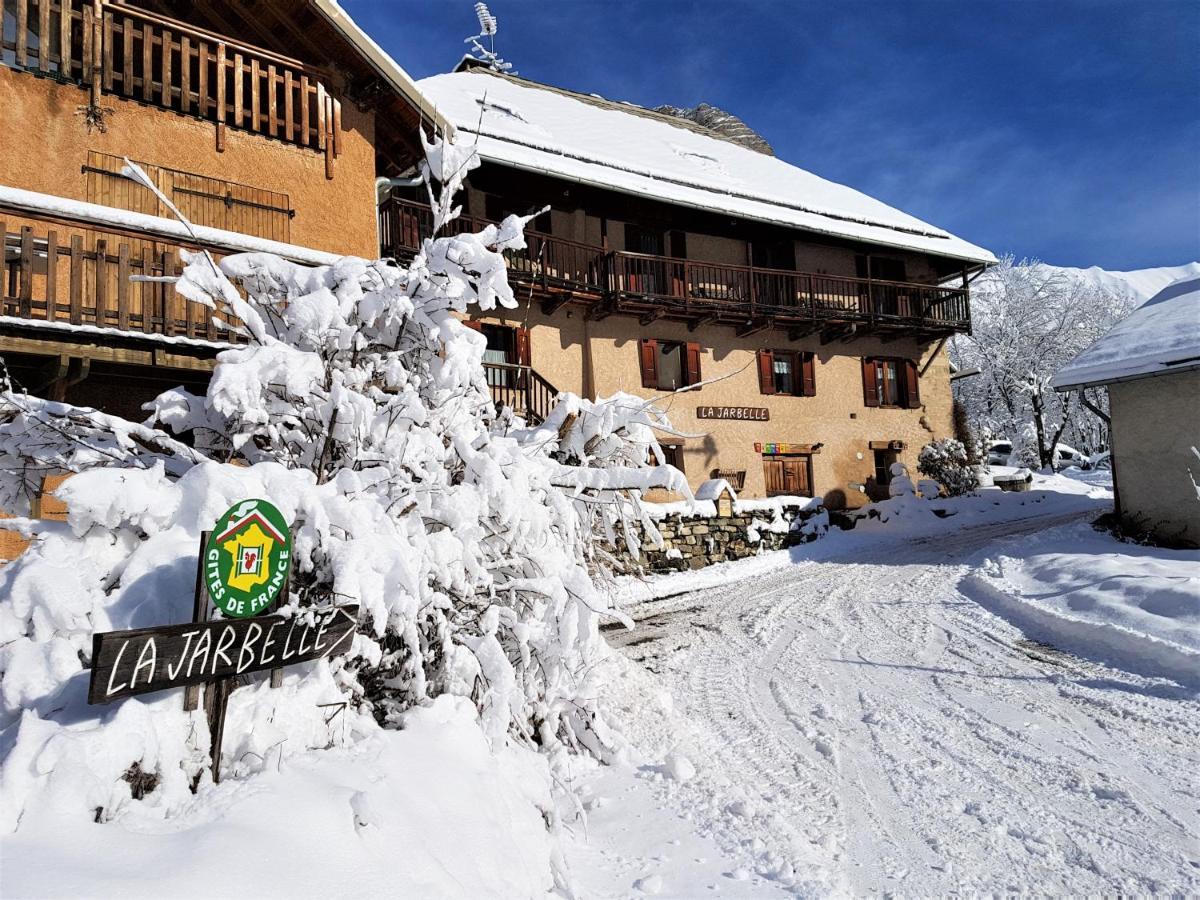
column 811, row 317
column 266, row 124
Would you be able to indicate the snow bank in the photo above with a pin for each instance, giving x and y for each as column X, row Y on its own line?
column 428, row 811
column 1085, row 591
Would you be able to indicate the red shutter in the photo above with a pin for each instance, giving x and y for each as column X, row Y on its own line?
column 693, row 363
column 912, row 384
column 473, row 325
column 766, row 371
column 648, row 356
column 808, row 375
column 522, row 342
column 870, row 389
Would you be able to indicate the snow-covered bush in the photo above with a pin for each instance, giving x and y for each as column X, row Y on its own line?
column 946, row 462
column 360, row 408
column 1025, row 453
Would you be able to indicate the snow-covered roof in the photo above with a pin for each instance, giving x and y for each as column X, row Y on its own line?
column 622, row 147
column 714, row 488
column 1161, row 336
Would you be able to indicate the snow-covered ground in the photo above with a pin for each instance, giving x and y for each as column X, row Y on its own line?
column 856, row 715
column 857, row 721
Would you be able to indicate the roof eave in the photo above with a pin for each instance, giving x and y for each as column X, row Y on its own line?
column 383, row 63
column 989, row 260
column 1101, row 381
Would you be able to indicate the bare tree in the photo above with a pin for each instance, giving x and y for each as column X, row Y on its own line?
column 1030, row 319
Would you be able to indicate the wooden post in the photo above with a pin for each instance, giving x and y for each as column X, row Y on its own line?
column 76, row 279
column 51, row 274
column 43, row 35
column 25, row 299
column 191, row 694
column 64, row 45
column 22, row 32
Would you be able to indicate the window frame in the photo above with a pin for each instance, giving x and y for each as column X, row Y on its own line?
column 802, row 385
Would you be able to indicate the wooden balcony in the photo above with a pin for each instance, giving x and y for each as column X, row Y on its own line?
column 73, row 278
column 747, row 297
column 128, row 52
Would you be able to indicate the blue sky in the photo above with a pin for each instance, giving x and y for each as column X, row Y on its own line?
column 1064, row 131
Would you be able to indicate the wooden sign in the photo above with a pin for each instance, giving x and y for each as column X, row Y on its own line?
column 734, row 413
column 125, row 663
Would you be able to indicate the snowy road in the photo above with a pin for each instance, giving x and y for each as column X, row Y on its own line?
column 862, row 725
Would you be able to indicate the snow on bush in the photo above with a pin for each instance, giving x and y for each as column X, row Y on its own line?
column 360, row 408
column 946, row 462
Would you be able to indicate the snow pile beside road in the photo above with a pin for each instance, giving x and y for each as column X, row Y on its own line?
column 1083, row 590
column 428, row 811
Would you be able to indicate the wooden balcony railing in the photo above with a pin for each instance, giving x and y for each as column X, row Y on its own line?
column 521, row 389
column 129, row 52
column 697, row 288
column 76, row 275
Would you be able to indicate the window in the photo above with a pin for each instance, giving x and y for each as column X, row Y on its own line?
column 883, row 466
column 787, row 372
column 891, row 382
column 673, row 453
column 667, row 365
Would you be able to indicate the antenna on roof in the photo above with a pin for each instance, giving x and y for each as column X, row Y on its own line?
column 487, row 29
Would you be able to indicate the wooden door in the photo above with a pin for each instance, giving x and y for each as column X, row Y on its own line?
column 788, row 474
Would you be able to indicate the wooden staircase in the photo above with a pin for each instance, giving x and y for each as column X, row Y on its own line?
column 522, row 389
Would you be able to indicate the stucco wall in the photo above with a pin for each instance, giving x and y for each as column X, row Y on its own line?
column 44, row 143
column 1155, row 425
column 600, row 358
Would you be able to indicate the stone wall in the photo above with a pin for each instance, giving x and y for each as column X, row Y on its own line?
column 693, row 541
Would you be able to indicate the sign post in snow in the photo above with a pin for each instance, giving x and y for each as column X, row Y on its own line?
column 243, row 570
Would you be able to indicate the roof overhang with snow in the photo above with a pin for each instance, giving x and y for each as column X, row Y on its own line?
column 621, row 147
column 1161, row 337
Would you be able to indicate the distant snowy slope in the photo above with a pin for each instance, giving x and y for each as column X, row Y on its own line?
column 1144, row 283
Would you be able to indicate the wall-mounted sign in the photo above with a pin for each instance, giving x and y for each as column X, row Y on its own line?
column 735, row 413
column 247, row 558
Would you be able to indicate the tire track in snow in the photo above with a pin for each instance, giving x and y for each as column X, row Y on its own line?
column 884, row 728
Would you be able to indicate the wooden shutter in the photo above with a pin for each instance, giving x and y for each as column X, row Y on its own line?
column 912, row 384
column 522, row 342
column 870, row 388
column 808, row 375
column 766, row 372
column 648, row 356
column 693, row 363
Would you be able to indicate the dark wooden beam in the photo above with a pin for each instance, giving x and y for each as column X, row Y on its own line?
column 753, row 326
column 838, row 332
column 802, row 331
column 700, row 322
column 602, row 310
column 652, row 315
column 555, row 302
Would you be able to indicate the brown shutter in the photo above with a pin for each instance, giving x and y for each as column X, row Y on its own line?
column 766, row 371
column 870, row 389
column 808, row 375
column 693, row 363
column 472, row 324
column 912, row 383
column 522, row 342
column 648, row 356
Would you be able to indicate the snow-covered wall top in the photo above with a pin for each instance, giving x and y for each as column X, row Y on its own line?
column 1161, row 336
column 626, row 148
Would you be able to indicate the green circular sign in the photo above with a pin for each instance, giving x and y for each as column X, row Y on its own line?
column 247, row 558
